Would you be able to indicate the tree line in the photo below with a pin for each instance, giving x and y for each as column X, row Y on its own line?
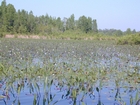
column 23, row 22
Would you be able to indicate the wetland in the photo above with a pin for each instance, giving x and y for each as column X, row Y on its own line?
column 70, row 72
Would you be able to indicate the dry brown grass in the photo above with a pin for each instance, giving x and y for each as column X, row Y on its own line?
column 26, row 36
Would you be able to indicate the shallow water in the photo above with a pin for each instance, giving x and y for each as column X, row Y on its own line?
column 119, row 85
column 108, row 95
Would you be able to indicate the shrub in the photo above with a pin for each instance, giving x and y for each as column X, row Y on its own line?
column 129, row 39
column 2, row 35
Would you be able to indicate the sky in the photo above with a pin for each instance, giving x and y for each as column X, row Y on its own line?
column 110, row 14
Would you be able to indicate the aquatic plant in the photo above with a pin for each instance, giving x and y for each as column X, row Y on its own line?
column 75, row 72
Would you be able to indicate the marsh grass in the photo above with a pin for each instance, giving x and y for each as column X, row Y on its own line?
column 75, row 71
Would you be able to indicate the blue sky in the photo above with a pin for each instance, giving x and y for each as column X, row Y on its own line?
column 117, row 14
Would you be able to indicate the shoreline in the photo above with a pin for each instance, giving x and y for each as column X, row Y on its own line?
column 59, row 37
column 25, row 36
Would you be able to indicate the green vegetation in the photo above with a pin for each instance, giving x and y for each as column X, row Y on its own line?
column 129, row 39
column 2, row 35
column 91, row 68
column 21, row 22
column 68, row 71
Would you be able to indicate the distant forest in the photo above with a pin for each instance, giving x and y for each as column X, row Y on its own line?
column 24, row 22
